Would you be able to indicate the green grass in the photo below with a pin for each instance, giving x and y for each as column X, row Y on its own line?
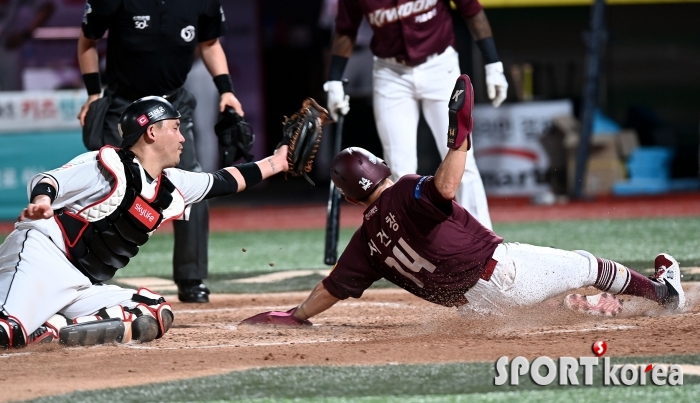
column 632, row 242
column 460, row 382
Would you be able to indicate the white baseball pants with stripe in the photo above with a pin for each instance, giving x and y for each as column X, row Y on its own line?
column 399, row 92
column 37, row 281
column 526, row 275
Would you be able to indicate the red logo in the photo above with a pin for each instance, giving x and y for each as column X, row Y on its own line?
column 143, row 120
column 599, row 348
column 146, row 214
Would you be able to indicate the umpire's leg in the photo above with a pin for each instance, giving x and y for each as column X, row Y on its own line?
column 190, row 260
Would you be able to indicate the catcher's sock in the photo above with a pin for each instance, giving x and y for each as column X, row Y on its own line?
column 618, row 279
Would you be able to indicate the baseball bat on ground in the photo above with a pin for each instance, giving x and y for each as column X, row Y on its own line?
column 330, row 255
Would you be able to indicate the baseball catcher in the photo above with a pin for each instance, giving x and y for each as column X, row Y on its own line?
column 88, row 219
column 416, row 236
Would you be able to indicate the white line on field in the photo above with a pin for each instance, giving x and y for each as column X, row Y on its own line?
column 8, row 355
column 277, row 307
column 586, row 329
column 280, row 343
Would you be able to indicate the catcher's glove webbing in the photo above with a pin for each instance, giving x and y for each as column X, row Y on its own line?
column 236, row 137
column 302, row 133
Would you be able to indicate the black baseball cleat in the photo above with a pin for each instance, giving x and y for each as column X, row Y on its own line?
column 192, row 291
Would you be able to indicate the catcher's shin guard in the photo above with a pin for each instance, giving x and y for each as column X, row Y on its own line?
column 13, row 334
column 102, row 331
column 152, row 317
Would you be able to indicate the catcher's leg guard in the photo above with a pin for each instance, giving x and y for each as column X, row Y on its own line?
column 13, row 334
column 152, row 316
column 91, row 333
column 108, row 325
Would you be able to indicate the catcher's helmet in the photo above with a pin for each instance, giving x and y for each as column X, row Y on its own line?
column 141, row 113
column 357, row 172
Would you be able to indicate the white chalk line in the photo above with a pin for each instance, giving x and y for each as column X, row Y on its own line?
column 265, row 344
column 8, row 355
column 587, row 329
column 277, row 307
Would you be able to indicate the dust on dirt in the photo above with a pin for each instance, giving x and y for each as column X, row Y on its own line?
column 384, row 326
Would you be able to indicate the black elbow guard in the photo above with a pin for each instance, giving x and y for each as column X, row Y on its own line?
column 224, row 184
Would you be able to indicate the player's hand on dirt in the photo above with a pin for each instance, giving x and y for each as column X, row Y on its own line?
column 84, row 109
column 496, row 84
column 338, row 101
column 276, row 318
column 228, row 99
column 36, row 211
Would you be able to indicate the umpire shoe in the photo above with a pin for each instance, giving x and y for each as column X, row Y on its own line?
column 668, row 271
column 192, row 291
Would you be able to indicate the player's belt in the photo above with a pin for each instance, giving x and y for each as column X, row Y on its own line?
column 404, row 60
column 488, row 270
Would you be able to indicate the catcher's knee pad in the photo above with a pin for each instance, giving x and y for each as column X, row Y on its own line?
column 151, row 318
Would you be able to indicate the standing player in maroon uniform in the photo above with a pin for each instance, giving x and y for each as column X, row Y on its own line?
column 417, row 237
column 414, row 69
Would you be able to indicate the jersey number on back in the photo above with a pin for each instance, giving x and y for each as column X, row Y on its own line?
column 415, row 266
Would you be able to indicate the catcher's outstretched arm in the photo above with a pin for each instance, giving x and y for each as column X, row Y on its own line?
column 318, row 301
column 269, row 166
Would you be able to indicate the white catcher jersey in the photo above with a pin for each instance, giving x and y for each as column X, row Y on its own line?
column 84, row 181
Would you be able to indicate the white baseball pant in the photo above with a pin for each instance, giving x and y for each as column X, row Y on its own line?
column 37, row 281
column 399, row 91
column 526, row 275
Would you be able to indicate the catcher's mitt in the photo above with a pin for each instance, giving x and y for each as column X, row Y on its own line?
column 302, row 133
column 236, row 137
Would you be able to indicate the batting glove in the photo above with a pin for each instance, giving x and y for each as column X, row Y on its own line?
column 338, row 101
column 496, row 84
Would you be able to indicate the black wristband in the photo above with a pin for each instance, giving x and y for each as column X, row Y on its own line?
column 43, row 188
column 338, row 63
column 251, row 173
column 223, row 83
column 488, row 49
column 93, row 85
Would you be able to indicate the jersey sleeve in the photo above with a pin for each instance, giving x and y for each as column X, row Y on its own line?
column 96, row 17
column 193, row 185
column 349, row 17
column 212, row 22
column 468, row 8
column 353, row 273
column 79, row 179
column 426, row 191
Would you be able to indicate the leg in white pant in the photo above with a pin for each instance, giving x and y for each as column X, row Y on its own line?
column 526, row 275
column 396, row 115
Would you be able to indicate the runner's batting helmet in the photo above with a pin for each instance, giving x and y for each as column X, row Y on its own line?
column 357, row 172
column 141, row 113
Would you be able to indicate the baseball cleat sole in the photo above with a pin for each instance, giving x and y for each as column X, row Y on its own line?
column 597, row 305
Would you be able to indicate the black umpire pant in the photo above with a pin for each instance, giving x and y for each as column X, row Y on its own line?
column 190, row 259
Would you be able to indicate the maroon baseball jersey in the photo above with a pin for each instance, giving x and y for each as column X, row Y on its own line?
column 413, row 237
column 409, row 30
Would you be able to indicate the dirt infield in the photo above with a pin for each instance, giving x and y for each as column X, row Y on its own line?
column 385, row 326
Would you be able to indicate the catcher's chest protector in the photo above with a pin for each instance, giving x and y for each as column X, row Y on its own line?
column 101, row 238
